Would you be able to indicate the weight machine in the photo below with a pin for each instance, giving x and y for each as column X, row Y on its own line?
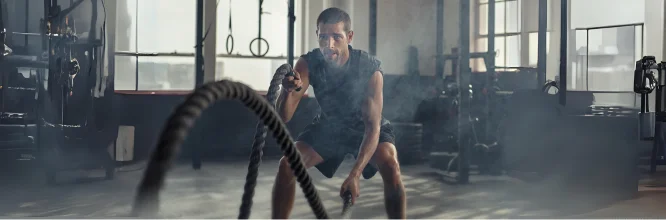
column 69, row 125
column 475, row 139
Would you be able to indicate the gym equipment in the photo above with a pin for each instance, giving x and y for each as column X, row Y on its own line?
column 230, row 37
column 346, row 205
column 648, row 77
column 550, row 87
column 259, row 141
column 68, row 121
column 179, row 124
column 79, row 134
column 259, row 39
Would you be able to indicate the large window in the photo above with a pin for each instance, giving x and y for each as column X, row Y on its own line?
column 155, row 26
column 508, row 18
column 167, row 28
column 241, row 65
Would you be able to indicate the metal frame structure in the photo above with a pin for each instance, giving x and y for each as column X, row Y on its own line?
column 59, row 39
column 461, row 59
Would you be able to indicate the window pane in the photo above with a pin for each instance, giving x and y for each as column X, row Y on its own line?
column 256, row 73
column 244, row 27
column 513, row 51
column 477, row 64
column 166, row 25
column 481, row 45
column 166, row 73
column 483, row 19
column 500, row 17
column 513, row 16
column 534, row 47
column 500, row 47
column 611, row 62
column 125, row 73
column 125, row 25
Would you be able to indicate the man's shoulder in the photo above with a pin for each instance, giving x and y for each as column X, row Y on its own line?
column 368, row 60
column 311, row 53
column 312, row 57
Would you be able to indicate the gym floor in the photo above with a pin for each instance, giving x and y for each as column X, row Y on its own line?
column 216, row 189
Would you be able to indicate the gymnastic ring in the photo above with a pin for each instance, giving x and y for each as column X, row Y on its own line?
column 230, row 40
column 260, row 40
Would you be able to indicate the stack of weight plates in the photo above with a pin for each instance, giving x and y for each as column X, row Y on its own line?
column 612, row 111
column 409, row 137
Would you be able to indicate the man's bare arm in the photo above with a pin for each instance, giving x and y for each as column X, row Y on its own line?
column 372, row 116
column 288, row 101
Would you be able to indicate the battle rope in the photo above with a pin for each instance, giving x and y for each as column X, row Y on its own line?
column 146, row 202
column 346, row 205
column 258, row 144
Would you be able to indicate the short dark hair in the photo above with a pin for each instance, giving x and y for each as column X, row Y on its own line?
column 334, row 16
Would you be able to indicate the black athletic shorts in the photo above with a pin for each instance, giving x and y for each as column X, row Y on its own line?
column 333, row 142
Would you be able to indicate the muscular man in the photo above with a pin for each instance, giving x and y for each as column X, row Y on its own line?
column 348, row 87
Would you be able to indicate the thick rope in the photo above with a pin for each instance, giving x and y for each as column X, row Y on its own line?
column 258, row 145
column 177, row 127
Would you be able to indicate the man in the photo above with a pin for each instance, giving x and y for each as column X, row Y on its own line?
column 348, row 87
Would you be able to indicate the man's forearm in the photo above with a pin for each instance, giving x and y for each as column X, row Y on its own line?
column 368, row 147
column 284, row 106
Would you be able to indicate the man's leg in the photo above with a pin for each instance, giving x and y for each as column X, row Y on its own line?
column 386, row 161
column 284, row 189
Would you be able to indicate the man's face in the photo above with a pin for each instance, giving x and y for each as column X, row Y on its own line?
column 334, row 41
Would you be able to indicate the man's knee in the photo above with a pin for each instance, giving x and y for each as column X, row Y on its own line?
column 284, row 167
column 309, row 157
column 386, row 161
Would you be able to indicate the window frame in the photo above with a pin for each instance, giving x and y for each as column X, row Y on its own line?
column 505, row 34
column 138, row 54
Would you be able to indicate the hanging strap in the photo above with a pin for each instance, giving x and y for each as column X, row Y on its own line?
column 229, row 17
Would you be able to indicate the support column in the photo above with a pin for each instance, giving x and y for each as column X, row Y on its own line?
column 291, row 21
column 564, row 63
column 210, row 41
column 663, row 36
column 346, row 5
column 439, row 38
column 490, row 64
column 543, row 26
column 198, row 60
column 553, row 53
column 304, row 22
column 313, row 10
column 199, row 74
column 463, row 79
column 524, row 34
column 372, row 26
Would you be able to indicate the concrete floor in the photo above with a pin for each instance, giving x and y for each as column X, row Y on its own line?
column 215, row 192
